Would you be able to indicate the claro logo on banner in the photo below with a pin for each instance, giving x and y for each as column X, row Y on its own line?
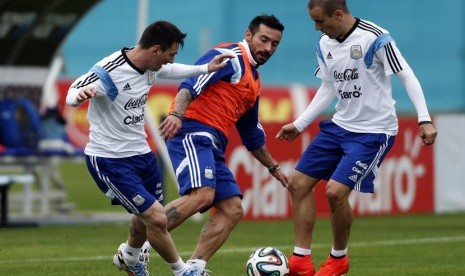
column 404, row 183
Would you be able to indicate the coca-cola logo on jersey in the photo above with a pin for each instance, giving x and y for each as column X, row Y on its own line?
column 347, row 75
column 136, row 103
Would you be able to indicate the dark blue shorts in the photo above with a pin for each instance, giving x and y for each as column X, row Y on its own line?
column 133, row 182
column 197, row 162
column 347, row 157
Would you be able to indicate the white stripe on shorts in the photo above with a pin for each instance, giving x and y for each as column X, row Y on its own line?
column 112, row 187
column 373, row 166
column 193, row 161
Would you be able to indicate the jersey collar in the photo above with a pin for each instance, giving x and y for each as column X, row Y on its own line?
column 342, row 39
column 247, row 49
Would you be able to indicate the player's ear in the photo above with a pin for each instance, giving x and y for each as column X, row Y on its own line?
column 339, row 14
column 248, row 35
column 156, row 49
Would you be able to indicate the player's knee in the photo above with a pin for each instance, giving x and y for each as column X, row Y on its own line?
column 203, row 197
column 336, row 192
column 158, row 218
column 233, row 211
column 237, row 213
column 297, row 187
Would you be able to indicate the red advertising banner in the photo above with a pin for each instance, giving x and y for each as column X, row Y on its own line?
column 404, row 184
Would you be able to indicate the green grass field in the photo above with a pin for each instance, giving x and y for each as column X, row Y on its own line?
column 403, row 245
column 389, row 245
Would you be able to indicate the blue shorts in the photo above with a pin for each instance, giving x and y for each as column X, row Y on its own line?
column 133, row 182
column 347, row 157
column 197, row 162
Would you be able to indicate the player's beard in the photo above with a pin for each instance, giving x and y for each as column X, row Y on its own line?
column 261, row 57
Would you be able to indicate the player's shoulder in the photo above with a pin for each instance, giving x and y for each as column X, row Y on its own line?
column 113, row 61
column 226, row 45
column 368, row 27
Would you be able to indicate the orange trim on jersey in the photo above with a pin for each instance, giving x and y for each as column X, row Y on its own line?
column 221, row 104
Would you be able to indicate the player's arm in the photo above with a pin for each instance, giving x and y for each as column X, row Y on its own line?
column 180, row 71
column 320, row 102
column 197, row 84
column 190, row 89
column 395, row 63
column 428, row 132
column 264, row 157
column 83, row 88
column 253, row 138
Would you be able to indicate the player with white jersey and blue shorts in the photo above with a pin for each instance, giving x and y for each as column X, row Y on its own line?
column 118, row 156
column 356, row 59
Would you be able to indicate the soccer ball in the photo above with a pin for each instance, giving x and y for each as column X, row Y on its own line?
column 267, row 261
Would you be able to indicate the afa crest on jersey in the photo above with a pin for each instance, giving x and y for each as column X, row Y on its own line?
column 356, row 51
column 151, row 78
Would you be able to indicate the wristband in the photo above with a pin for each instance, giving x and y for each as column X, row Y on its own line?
column 424, row 123
column 177, row 114
column 274, row 168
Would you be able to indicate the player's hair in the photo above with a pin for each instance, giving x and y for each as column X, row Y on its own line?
column 161, row 33
column 269, row 20
column 329, row 6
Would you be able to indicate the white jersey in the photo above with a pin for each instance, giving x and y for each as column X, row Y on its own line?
column 116, row 114
column 360, row 66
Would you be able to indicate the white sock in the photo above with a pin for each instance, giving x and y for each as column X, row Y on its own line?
column 198, row 264
column 178, row 267
column 302, row 251
column 131, row 254
column 147, row 245
column 338, row 253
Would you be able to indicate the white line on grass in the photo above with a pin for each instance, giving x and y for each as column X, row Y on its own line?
column 250, row 249
column 358, row 244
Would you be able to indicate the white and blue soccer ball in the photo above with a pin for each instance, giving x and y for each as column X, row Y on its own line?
column 267, row 261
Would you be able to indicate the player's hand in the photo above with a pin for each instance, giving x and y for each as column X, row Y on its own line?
column 428, row 133
column 170, row 126
column 219, row 62
column 281, row 177
column 86, row 93
column 288, row 132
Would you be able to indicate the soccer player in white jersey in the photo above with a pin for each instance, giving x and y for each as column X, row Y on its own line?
column 356, row 59
column 118, row 156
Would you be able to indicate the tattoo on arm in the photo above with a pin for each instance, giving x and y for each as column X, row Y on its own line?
column 262, row 153
column 263, row 156
column 183, row 99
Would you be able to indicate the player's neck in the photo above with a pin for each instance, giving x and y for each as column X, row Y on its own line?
column 136, row 56
column 348, row 24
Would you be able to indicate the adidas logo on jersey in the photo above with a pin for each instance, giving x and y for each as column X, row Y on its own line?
column 329, row 56
column 127, row 87
column 354, row 178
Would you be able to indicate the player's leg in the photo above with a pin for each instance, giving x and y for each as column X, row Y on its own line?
column 160, row 239
column 184, row 207
column 217, row 229
column 134, row 183
column 363, row 154
column 304, row 216
column 110, row 175
column 317, row 162
column 340, row 213
column 303, row 207
column 193, row 161
column 228, row 213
